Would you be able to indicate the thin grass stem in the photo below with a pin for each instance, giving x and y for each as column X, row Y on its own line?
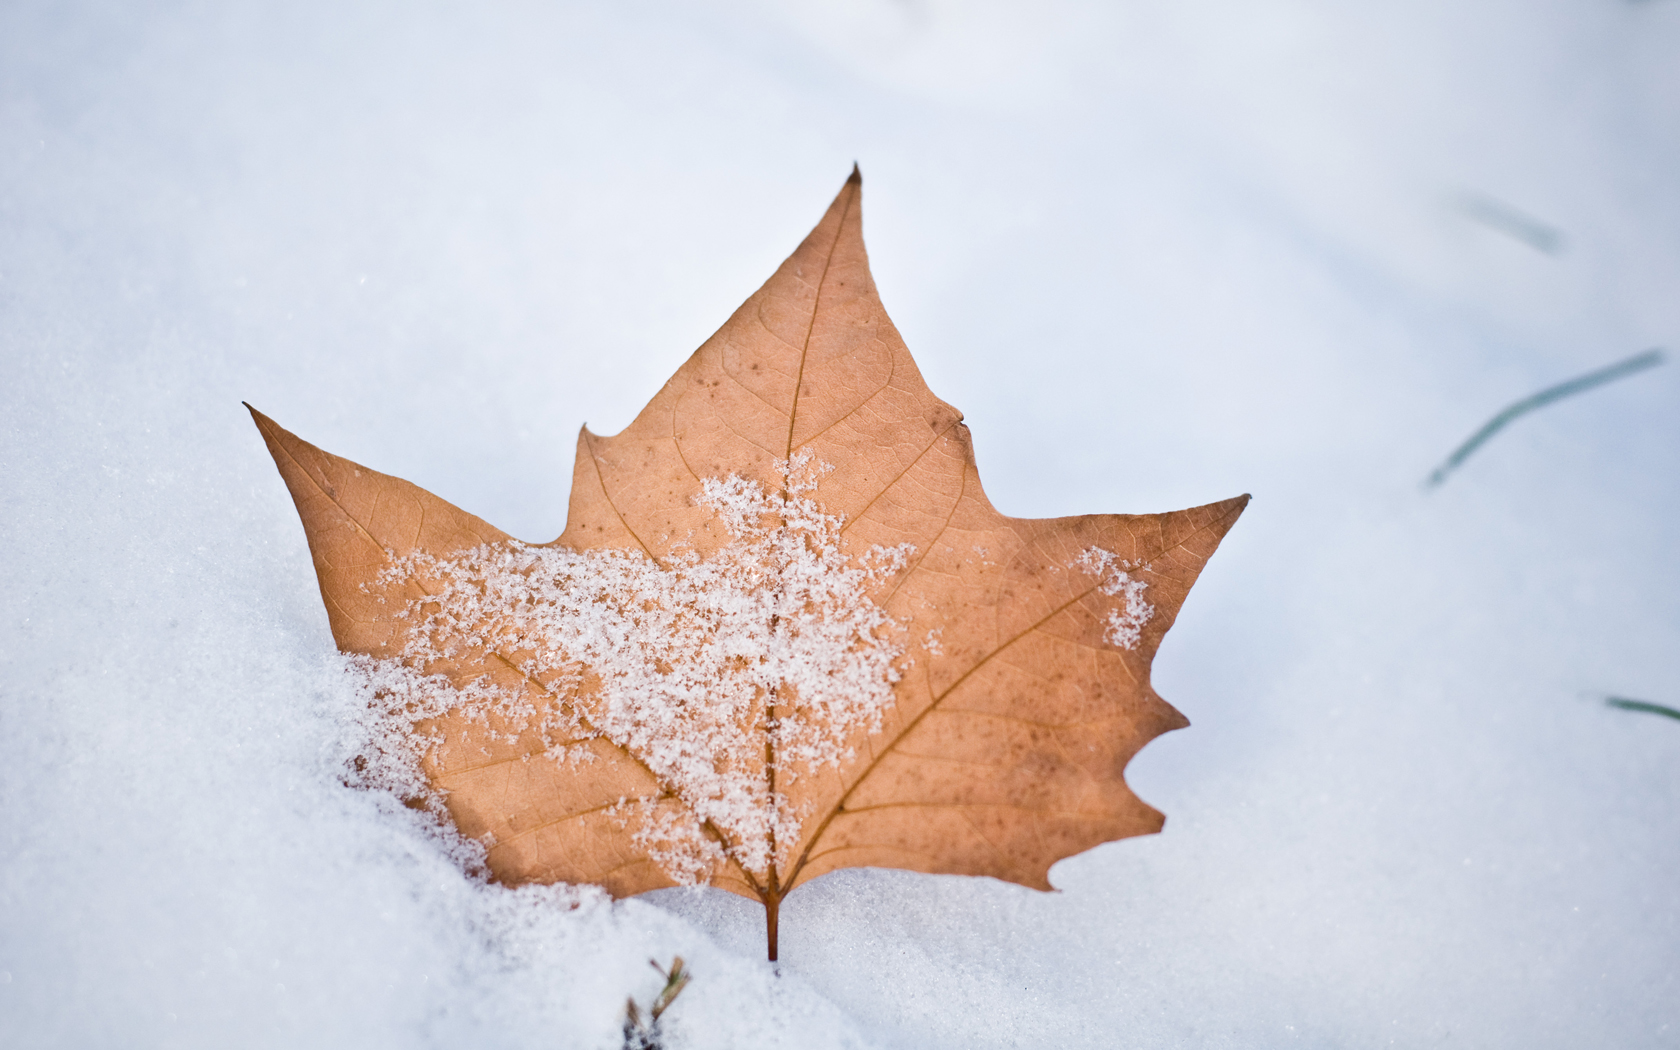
column 1637, row 363
column 1645, row 706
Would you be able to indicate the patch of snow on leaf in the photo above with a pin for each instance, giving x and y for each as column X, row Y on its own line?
column 1125, row 623
column 693, row 667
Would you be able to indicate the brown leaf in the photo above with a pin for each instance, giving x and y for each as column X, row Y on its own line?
column 783, row 633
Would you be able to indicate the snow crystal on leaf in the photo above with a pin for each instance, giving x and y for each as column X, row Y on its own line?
column 1125, row 623
column 701, row 668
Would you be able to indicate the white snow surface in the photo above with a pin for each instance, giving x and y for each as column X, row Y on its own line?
column 1160, row 253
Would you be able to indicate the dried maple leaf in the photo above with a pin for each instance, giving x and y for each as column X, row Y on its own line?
column 783, row 633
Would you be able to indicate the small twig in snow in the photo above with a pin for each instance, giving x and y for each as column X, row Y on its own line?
column 645, row 1035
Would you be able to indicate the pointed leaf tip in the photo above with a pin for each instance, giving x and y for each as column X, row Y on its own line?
column 856, row 175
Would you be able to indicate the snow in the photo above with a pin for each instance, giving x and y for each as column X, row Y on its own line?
column 1126, row 622
column 773, row 639
column 1158, row 253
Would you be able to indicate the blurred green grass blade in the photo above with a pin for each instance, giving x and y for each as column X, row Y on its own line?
column 1541, row 236
column 1642, row 705
column 1637, row 363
